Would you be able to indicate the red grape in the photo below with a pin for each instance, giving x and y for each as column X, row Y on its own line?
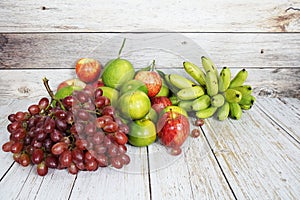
column 42, row 169
column 58, row 148
column 65, row 158
column 34, row 109
column 37, row 156
column 6, row 147
column 24, row 160
column 43, row 103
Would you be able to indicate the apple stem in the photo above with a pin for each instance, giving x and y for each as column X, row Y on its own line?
column 122, row 46
column 50, row 92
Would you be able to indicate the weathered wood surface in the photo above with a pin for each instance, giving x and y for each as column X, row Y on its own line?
column 61, row 50
column 149, row 16
column 254, row 157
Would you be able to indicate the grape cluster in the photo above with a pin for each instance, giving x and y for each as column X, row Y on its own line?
column 79, row 132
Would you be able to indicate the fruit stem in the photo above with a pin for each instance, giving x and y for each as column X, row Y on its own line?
column 152, row 66
column 122, row 46
column 50, row 92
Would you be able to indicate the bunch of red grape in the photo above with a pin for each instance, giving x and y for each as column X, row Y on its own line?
column 79, row 132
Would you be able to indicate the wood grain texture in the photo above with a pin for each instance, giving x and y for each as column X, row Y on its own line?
column 256, row 148
column 120, row 16
column 62, row 50
column 28, row 83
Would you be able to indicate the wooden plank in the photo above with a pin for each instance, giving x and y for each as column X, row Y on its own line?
column 8, row 106
column 258, row 157
column 118, row 16
column 28, row 83
column 194, row 174
column 24, row 183
column 287, row 117
column 130, row 182
column 62, row 50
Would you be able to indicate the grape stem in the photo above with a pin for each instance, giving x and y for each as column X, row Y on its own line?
column 50, row 92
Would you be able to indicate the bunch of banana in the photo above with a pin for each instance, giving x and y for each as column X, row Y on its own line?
column 223, row 96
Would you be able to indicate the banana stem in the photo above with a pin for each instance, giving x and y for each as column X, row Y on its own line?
column 50, row 92
column 122, row 46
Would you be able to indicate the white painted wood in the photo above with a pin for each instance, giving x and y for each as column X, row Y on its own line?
column 62, row 50
column 28, row 83
column 192, row 15
column 130, row 182
column 287, row 117
column 194, row 174
column 257, row 156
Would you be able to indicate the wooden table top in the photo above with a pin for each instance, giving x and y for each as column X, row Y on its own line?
column 256, row 157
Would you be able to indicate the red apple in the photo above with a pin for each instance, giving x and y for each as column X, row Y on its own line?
column 173, row 129
column 74, row 82
column 151, row 79
column 98, row 83
column 88, row 69
column 159, row 103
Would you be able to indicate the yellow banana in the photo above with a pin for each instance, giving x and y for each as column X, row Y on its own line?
column 211, row 83
column 239, row 78
column 206, row 113
column 224, row 79
column 180, row 82
column 190, row 93
column 201, row 103
column 223, row 111
column 173, row 89
column 235, row 110
column 247, row 100
column 195, row 72
column 186, row 105
column 208, row 65
column 232, row 95
column 244, row 89
column 217, row 100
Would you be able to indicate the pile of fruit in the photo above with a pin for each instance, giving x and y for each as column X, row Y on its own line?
column 89, row 121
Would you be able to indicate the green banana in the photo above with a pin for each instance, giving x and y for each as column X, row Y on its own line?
column 174, row 99
column 217, row 100
column 244, row 89
column 180, row 82
column 173, row 89
column 246, row 107
column 190, row 93
column 239, row 78
column 206, row 113
column 208, row 65
column 235, row 110
column 211, row 83
column 224, row 79
column 201, row 103
column 195, row 72
column 186, row 105
column 232, row 95
column 247, row 100
column 223, row 111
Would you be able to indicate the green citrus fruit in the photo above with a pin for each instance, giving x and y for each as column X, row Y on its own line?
column 164, row 90
column 134, row 105
column 142, row 133
column 133, row 85
column 152, row 115
column 112, row 94
column 117, row 72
